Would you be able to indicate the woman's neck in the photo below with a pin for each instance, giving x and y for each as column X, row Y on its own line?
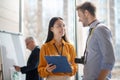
column 58, row 41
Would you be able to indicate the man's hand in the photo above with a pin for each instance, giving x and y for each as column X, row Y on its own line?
column 103, row 74
column 17, row 68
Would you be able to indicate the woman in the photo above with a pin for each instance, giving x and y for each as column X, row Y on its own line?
column 56, row 44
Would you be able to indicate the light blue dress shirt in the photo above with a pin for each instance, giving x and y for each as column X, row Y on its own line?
column 100, row 52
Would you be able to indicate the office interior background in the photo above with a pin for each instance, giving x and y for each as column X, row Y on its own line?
column 31, row 17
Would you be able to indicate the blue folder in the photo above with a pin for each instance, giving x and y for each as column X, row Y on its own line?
column 61, row 62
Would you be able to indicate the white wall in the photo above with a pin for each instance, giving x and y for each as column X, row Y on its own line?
column 9, row 15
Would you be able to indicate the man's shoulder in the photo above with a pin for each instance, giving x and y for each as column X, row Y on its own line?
column 101, row 28
column 37, row 49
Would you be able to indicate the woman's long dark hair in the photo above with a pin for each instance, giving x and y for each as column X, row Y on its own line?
column 50, row 33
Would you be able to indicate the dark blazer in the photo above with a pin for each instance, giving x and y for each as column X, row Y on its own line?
column 31, row 69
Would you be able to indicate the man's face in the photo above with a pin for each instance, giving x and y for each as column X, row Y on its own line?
column 29, row 44
column 83, row 18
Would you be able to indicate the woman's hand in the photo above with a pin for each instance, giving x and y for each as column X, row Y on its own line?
column 50, row 67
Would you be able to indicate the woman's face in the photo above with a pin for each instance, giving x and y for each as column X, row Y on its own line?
column 58, row 28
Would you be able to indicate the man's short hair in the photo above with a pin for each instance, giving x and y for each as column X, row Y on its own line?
column 30, row 38
column 87, row 6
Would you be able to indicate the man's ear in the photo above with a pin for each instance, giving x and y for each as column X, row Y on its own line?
column 86, row 12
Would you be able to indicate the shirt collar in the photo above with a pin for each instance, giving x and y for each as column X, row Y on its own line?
column 35, row 48
column 53, row 41
column 93, row 24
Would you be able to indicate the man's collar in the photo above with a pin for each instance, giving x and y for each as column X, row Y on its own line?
column 93, row 24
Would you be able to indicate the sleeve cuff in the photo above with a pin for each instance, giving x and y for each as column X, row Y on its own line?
column 107, row 66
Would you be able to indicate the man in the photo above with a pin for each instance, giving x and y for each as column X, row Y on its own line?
column 99, row 55
column 31, row 69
